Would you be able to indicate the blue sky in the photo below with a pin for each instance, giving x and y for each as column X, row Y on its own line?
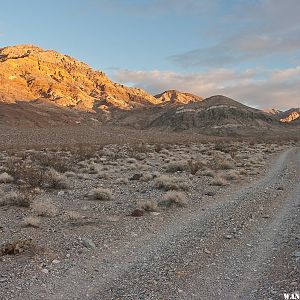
column 246, row 49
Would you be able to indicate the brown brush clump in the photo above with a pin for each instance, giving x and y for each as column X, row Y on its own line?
column 149, row 205
column 101, row 194
column 31, row 221
column 16, row 247
column 22, row 198
column 174, row 198
column 6, row 178
column 55, row 180
column 44, row 209
column 219, row 181
column 170, row 183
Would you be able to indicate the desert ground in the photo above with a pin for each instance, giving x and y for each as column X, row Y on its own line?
column 127, row 215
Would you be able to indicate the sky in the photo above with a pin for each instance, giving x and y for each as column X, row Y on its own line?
column 248, row 50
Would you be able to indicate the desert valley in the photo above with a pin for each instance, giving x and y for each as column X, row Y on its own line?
column 109, row 192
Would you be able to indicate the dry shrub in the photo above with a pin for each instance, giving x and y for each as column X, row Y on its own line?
column 195, row 166
column 55, row 161
column 122, row 180
column 149, row 205
column 174, row 198
column 209, row 173
column 72, row 215
column 101, row 194
column 173, row 167
column 31, row 221
column 22, row 198
column 16, row 247
column 232, row 175
column 44, row 209
column 6, row 178
column 170, row 183
column 56, row 180
column 25, row 173
column 219, row 181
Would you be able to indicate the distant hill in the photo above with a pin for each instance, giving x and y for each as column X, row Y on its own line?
column 176, row 97
column 290, row 115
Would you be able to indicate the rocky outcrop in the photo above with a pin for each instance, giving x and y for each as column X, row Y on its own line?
column 290, row 116
column 28, row 72
column 176, row 97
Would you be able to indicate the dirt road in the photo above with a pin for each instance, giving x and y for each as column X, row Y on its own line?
column 242, row 245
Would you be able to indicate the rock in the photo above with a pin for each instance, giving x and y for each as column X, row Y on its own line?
column 136, row 177
column 210, row 194
column 137, row 213
column 228, row 236
column 55, row 261
column 3, row 279
column 45, row 271
column 207, row 251
column 297, row 254
column 88, row 243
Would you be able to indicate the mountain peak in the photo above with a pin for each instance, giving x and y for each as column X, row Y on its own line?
column 177, row 97
column 28, row 72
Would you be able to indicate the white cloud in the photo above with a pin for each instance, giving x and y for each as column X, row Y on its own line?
column 279, row 88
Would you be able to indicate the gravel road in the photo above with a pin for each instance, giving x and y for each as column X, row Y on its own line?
column 241, row 245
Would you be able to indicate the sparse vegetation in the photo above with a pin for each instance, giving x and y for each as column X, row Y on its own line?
column 170, row 183
column 172, row 198
column 101, row 194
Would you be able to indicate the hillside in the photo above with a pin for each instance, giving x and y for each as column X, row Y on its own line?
column 28, row 72
column 176, row 97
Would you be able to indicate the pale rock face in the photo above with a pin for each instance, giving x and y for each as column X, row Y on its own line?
column 291, row 117
column 176, row 97
column 28, row 73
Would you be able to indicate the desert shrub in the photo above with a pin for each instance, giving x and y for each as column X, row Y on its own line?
column 149, row 205
column 55, row 180
column 31, row 221
column 170, row 183
column 101, row 194
column 25, row 172
column 174, row 198
column 22, row 198
column 55, row 161
column 209, row 173
column 6, row 178
column 195, row 166
column 122, row 180
column 173, row 167
column 219, row 181
column 232, row 175
column 72, row 215
column 44, row 208
column 222, row 147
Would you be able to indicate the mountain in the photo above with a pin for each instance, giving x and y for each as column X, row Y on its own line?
column 28, row 73
column 176, row 97
column 216, row 114
column 272, row 111
column 290, row 116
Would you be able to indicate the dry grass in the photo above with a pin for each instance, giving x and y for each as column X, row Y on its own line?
column 31, row 221
column 56, row 180
column 219, row 181
column 21, row 198
column 170, row 183
column 101, row 194
column 6, row 178
column 174, row 198
column 174, row 167
column 44, row 209
column 149, row 205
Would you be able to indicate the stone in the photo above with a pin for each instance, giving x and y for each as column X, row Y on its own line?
column 88, row 243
